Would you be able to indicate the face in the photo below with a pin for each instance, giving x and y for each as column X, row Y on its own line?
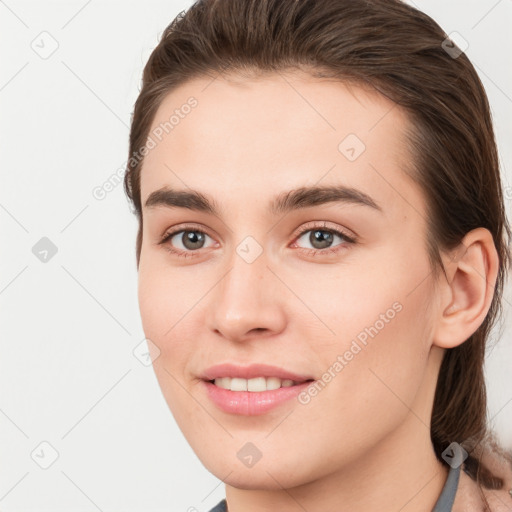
column 332, row 285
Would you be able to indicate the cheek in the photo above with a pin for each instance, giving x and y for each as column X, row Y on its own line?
column 380, row 336
column 162, row 297
column 163, row 311
column 163, row 305
column 154, row 310
column 373, row 384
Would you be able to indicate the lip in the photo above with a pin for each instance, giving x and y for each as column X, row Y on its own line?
column 251, row 371
column 249, row 403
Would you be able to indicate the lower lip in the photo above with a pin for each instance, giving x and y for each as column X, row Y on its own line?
column 251, row 403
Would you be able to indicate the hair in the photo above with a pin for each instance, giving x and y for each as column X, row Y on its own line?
column 403, row 54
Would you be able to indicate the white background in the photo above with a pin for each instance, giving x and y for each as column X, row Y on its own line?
column 68, row 375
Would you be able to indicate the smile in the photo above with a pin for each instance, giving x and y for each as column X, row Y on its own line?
column 256, row 384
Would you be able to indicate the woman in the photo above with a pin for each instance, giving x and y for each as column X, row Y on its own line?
column 322, row 249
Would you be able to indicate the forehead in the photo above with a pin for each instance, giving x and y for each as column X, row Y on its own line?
column 228, row 136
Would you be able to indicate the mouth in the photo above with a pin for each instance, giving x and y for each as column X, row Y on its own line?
column 253, row 378
column 255, row 395
column 252, row 390
column 256, row 384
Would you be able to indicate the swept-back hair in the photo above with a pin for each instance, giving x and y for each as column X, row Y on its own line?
column 405, row 55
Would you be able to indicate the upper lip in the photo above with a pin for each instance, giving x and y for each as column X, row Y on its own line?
column 250, row 372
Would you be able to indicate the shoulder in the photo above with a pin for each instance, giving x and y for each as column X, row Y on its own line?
column 499, row 463
column 495, row 493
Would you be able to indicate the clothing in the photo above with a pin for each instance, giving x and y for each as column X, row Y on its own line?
column 447, row 497
column 443, row 504
column 220, row 507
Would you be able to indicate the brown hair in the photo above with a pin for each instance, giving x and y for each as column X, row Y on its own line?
column 402, row 53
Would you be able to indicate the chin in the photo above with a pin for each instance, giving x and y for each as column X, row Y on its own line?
column 260, row 480
column 262, row 476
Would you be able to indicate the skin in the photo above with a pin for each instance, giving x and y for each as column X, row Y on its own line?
column 363, row 443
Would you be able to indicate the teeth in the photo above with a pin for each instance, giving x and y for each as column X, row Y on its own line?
column 256, row 384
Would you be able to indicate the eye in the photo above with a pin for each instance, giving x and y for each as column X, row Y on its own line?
column 322, row 239
column 190, row 239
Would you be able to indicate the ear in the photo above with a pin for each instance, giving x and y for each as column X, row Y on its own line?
column 465, row 298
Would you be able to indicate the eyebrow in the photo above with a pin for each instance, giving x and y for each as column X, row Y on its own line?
column 296, row 199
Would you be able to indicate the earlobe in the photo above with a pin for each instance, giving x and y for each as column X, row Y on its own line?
column 468, row 293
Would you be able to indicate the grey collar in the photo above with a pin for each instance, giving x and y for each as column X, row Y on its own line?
column 447, row 497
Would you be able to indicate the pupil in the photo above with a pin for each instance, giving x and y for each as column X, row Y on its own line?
column 317, row 236
column 190, row 238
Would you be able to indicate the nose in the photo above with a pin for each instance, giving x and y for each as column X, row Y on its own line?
column 247, row 302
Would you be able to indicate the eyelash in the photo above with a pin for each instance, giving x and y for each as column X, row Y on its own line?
column 349, row 240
